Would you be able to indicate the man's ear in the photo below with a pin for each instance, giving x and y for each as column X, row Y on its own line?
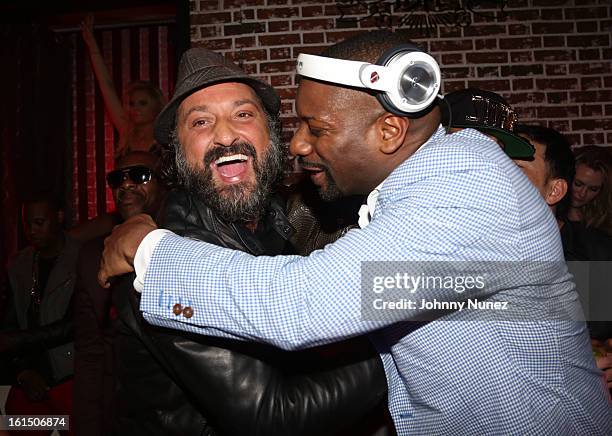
column 392, row 130
column 557, row 188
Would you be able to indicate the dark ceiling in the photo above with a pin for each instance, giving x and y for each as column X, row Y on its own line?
column 66, row 14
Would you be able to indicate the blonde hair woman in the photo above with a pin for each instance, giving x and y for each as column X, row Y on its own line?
column 591, row 194
column 143, row 101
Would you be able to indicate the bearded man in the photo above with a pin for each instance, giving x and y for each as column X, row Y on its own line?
column 225, row 155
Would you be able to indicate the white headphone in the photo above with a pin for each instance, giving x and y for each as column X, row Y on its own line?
column 408, row 78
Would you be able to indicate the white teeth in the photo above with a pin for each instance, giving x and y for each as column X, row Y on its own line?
column 238, row 157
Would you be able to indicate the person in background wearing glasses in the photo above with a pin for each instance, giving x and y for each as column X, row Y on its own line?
column 37, row 331
column 136, row 189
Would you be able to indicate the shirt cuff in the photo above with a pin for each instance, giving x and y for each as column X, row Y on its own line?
column 144, row 254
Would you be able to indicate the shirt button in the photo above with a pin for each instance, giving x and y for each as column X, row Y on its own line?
column 177, row 309
column 188, row 312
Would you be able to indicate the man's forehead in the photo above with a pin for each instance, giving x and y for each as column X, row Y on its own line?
column 313, row 98
column 37, row 209
column 333, row 104
column 230, row 91
column 137, row 158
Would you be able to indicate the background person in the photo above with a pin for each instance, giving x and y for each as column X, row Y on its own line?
column 551, row 172
column 143, row 101
column 136, row 189
column 591, row 193
column 42, row 278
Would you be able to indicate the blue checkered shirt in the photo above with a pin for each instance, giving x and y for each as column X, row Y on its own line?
column 459, row 198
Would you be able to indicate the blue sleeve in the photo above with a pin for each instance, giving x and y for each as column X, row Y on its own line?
column 297, row 302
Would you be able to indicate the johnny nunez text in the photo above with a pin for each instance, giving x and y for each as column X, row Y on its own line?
column 425, row 304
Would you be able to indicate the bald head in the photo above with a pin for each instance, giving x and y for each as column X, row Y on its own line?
column 138, row 158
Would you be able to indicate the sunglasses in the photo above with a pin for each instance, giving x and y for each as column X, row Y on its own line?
column 137, row 174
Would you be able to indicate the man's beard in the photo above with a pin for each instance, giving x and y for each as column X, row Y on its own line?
column 329, row 193
column 238, row 201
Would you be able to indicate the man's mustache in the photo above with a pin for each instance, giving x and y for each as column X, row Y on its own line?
column 308, row 164
column 245, row 148
column 131, row 190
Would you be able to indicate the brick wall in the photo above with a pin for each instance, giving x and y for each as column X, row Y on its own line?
column 551, row 58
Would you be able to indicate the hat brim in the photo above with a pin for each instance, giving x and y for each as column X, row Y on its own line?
column 165, row 122
column 514, row 146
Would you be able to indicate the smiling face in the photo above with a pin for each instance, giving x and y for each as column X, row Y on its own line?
column 587, row 185
column 132, row 198
column 337, row 140
column 226, row 152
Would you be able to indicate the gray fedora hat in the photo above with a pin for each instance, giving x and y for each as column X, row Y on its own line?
column 199, row 68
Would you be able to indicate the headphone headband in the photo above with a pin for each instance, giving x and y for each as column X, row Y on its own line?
column 408, row 80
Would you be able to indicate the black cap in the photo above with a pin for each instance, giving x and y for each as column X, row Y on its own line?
column 489, row 113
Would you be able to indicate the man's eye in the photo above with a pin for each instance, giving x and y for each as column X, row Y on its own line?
column 577, row 183
column 200, row 123
column 314, row 132
column 244, row 115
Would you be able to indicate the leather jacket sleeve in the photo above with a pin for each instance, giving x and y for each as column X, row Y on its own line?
column 254, row 389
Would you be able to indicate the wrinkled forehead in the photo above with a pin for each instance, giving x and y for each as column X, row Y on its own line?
column 220, row 93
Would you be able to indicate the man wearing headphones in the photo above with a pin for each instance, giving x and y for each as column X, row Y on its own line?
column 453, row 240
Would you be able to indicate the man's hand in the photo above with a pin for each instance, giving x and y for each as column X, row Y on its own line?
column 121, row 246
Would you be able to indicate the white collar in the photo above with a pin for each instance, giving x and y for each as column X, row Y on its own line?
column 366, row 211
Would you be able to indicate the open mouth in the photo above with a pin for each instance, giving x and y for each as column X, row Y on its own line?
column 317, row 175
column 232, row 168
column 317, row 172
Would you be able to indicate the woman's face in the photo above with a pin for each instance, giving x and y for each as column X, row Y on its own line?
column 142, row 108
column 587, row 185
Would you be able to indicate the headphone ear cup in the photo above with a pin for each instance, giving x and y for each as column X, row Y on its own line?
column 384, row 98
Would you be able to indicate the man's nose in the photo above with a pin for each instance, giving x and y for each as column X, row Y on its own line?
column 225, row 133
column 299, row 146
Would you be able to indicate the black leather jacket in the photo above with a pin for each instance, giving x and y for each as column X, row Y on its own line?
column 240, row 388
